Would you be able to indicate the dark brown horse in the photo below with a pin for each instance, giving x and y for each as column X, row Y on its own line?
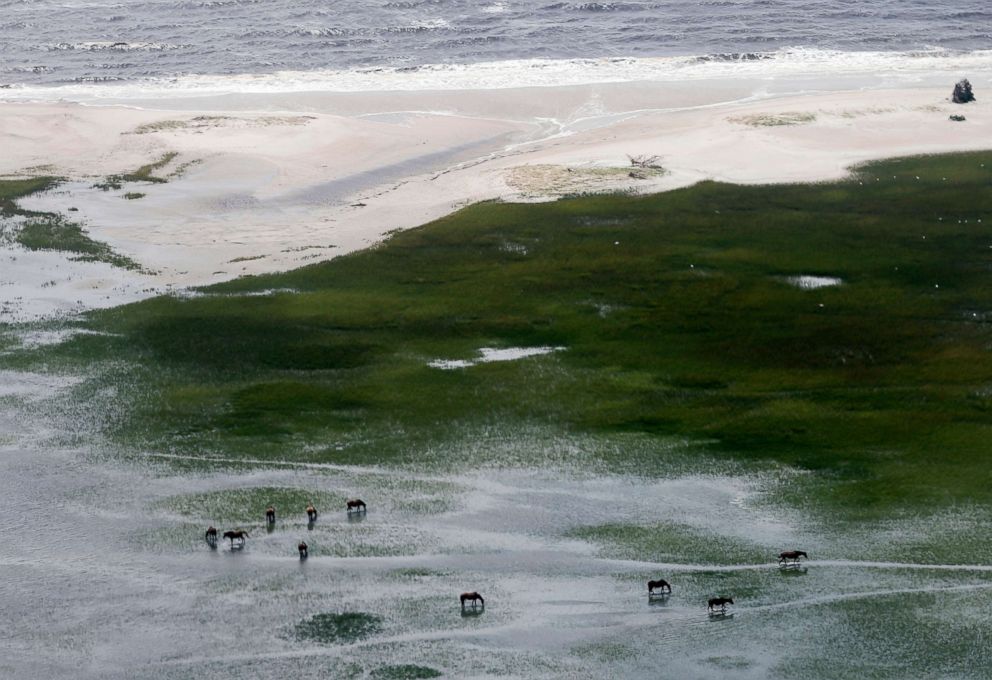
column 791, row 556
column 311, row 512
column 270, row 515
column 355, row 504
column 472, row 597
column 304, row 551
column 661, row 584
column 720, row 602
column 210, row 536
column 238, row 534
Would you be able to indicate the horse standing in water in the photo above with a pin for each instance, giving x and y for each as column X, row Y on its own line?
column 472, row 597
column 311, row 513
column 720, row 602
column 210, row 536
column 239, row 535
column 791, row 557
column 304, row 550
column 356, row 504
column 270, row 515
column 662, row 585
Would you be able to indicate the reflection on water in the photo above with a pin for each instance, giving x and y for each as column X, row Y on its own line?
column 470, row 611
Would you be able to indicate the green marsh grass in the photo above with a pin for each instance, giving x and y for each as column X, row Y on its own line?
column 249, row 505
column 678, row 323
column 337, row 628
column 404, row 672
column 671, row 543
column 142, row 174
column 50, row 231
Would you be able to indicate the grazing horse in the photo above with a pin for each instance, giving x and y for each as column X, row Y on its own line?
column 304, row 553
column 791, row 556
column 355, row 504
column 661, row 584
column 270, row 515
column 210, row 536
column 311, row 512
column 720, row 602
column 239, row 535
column 472, row 597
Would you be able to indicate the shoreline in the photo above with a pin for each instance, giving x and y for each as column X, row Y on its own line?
column 264, row 183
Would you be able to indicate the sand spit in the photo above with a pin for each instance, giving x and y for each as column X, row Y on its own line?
column 263, row 183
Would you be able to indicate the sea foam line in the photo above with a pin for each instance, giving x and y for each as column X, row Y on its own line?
column 786, row 62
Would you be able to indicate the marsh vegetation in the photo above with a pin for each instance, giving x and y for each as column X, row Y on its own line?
column 701, row 412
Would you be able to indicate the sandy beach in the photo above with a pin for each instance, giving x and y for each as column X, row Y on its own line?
column 269, row 182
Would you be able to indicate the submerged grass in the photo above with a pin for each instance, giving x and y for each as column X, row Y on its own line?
column 339, row 628
column 50, row 231
column 675, row 317
column 404, row 672
column 669, row 542
column 249, row 505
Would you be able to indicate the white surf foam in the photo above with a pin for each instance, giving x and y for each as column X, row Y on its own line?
column 909, row 67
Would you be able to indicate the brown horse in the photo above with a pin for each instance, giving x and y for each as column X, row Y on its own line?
column 660, row 584
column 304, row 551
column 720, row 602
column 472, row 597
column 791, row 556
column 270, row 515
column 239, row 534
column 311, row 512
column 210, row 536
column 355, row 504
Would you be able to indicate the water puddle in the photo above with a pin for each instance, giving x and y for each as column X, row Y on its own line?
column 490, row 354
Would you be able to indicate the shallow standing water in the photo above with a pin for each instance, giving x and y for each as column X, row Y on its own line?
column 106, row 573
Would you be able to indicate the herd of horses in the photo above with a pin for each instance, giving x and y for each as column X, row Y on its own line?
column 356, row 505
column 662, row 588
column 656, row 588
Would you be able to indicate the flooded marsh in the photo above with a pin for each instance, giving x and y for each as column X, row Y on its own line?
column 703, row 426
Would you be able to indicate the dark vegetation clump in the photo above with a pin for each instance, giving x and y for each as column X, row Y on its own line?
column 404, row 672
column 338, row 628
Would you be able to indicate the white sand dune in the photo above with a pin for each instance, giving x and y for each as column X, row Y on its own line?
column 269, row 182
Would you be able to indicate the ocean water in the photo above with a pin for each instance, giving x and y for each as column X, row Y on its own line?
column 66, row 46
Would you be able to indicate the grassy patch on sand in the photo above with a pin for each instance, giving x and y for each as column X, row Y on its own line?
column 49, row 231
column 677, row 322
column 142, row 174
column 55, row 233
column 776, row 119
column 13, row 189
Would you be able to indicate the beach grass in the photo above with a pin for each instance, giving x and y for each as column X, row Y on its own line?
column 50, row 231
column 142, row 174
column 678, row 322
